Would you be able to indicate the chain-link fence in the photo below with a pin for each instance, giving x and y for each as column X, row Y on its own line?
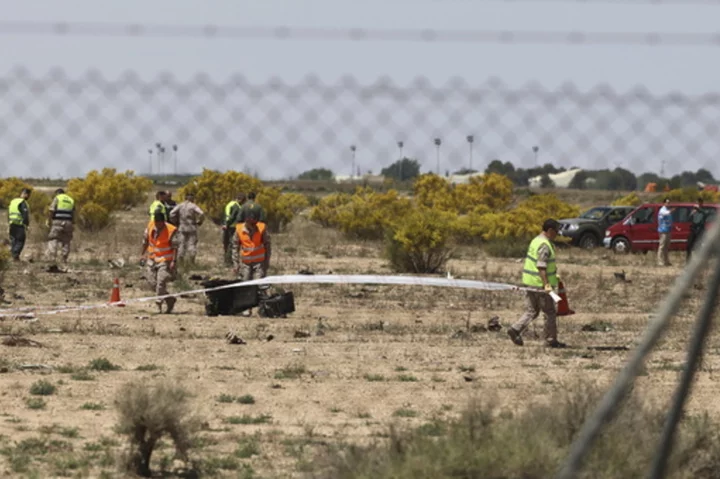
column 55, row 125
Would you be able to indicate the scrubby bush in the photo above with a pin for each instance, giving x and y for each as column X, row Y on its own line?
column 435, row 192
column 629, row 200
column 213, row 190
column 148, row 412
column 112, row 190
column 281, row 208
column 326, row 211
column 419, row 241
column 101, row 193
column 38, row 202
column 491, row 191
column 93, row 217
column 368, row 214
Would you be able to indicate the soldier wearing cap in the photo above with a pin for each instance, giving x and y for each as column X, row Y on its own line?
column 159, row 251
column 188, row 217
column 61, row 218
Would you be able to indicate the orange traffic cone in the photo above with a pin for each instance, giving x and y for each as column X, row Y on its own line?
column 115, row 294
column 563, row 306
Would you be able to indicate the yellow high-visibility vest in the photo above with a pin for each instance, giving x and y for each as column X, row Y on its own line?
column 531, row 274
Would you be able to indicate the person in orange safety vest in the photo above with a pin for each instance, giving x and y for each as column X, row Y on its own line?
column 159, row 251
column 251, row 249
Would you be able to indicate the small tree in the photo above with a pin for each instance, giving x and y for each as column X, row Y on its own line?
column 546, row 181
column 402, row 170
column 147, row 412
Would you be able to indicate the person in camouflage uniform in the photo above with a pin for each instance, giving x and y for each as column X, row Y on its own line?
column 159, row 251
column 61, row 219
column 188, row 217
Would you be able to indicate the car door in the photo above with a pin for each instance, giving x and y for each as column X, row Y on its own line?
column 615, row 215
column 643, row 229
column 681, row 227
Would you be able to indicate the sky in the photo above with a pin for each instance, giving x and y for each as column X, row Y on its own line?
column 660, row 69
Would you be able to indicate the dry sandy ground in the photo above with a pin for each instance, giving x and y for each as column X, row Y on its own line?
column 384, row 350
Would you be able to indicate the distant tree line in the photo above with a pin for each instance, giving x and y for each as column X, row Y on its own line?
column 606, row 179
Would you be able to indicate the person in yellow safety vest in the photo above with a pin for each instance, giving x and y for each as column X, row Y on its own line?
column 251, row 249
column 61, row 217
column 540, row 271
column 19, row 220
column 158, row 206
column 159, row 252
column 230, row 219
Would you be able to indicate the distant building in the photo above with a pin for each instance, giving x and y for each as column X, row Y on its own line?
column 462, row 179
column 370, row 179
column 560, row 180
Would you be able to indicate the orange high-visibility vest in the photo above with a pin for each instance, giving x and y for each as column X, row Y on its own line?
column 160, row 249
column 252, row 250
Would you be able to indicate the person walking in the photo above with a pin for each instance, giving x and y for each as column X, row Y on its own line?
column 159, row 250
column 187, row 216
column 251, row 205
column 19, row 220
column 251, row 249
column 540, row 272
column 698, row 218
column 158, row 206
column 230, row 220
column 665, row 223
column 61, row 218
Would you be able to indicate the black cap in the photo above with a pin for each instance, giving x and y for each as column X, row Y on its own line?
column 159, row 217
column 551, row 224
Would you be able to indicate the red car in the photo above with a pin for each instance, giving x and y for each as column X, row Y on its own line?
column 638, row 231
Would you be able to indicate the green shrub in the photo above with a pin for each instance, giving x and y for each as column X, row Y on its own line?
column 42, row 388
column 419, row 241
column 103, row 364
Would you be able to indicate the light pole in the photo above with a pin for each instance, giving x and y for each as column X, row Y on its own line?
column 535, row 150
column 470, row 140
column 158, row 149
column 150, row 160
column 438, row 142
column 175, row 158
column 352, row 168
column 400, row 145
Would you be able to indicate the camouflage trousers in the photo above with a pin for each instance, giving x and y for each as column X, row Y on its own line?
column 187, row 250
column 159, row 275
column 59, row 239
column 252, row 271
column 536, row 302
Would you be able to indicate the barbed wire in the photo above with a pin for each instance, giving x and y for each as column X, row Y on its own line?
column 538, row 37
column 279, row 129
